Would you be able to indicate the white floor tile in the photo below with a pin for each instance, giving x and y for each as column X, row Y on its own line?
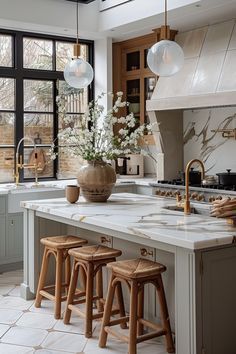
column 24, row 336
column 15, row 291
column 14, row 349
column 48, row 351
column 8, row 316
column 12, row 302
column 3, row 329
column 47, row 307
column 13, row 278
column 76, row 325
column 36, row 320
column 64, row 341
column 5, row 289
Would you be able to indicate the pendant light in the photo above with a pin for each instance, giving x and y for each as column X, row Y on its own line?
column 165, row 58
column 78, row 73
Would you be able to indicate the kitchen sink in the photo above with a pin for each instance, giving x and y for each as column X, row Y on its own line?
column 196, row 209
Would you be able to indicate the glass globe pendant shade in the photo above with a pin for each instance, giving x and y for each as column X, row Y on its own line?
column 165, row 58
column 78, row 73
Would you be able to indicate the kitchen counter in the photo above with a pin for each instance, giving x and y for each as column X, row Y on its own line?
column 199, row 252
column 8, row 188
column 145, row 217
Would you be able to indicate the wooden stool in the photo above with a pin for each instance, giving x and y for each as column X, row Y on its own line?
column 58, row 246
column 136, row 273
column 91, row 259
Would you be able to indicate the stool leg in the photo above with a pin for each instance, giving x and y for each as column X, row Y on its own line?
column 83, row 278
column 140, row 309
column 99, row 286
column 89, row 301
column 67, row 272
column 42, row 277
column 165, row 316
column 71, row 292
column 107, row 313
column 121, row 305
column 59, row 264
column 133, row 318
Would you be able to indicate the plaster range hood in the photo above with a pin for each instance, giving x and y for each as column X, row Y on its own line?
column 208, row 78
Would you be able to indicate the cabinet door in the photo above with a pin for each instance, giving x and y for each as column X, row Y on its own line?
column 14, row 244
column 2, row 237
column 218, row 301
column 131, row 250
column 2, row 204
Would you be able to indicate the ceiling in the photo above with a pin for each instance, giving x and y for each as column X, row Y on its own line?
column 202, row 13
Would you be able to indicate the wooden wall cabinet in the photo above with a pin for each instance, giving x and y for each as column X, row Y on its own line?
column 132, row 75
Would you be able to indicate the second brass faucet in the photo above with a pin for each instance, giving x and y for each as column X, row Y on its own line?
column 187, row 206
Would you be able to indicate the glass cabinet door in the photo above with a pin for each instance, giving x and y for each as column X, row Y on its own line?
column 133, row 97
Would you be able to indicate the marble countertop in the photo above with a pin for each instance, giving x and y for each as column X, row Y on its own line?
column 143, row 216
column 7, row 188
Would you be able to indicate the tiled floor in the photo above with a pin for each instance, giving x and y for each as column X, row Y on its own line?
column 25, row 329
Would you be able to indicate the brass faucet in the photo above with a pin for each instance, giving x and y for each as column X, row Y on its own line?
column 19, row 162
column 187, row 207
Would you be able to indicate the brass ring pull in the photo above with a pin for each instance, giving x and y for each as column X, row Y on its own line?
column 144, row 252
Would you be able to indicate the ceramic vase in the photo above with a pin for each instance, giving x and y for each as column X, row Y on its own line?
column 96, row 180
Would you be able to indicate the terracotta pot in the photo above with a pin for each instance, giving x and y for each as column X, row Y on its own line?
column 96, row 180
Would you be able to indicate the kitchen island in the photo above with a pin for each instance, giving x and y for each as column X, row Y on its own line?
column 203, row 251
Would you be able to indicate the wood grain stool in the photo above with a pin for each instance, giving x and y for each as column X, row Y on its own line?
column 136, row 273
column 58, row 246
column 92, row 259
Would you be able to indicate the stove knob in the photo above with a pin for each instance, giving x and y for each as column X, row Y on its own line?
column 212, row 199
column 163, row 193
column 170, row 193
column 167, row 193
column 219, row 197
column 158, row 192
column 177, row 192
column 194, row 195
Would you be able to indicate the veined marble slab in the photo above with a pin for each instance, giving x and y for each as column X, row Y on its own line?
column 143, row 217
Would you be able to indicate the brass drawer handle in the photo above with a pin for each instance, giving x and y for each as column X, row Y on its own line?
column 105, row 239
column 144, row 252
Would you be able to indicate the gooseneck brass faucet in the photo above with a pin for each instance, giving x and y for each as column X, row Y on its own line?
column 187, row 207
column 21, row 165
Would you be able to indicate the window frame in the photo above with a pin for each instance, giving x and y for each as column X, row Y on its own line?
column 19, row 73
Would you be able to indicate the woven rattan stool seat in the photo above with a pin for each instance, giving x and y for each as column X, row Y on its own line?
column 137, row 268
column 94, row 253
column 60, row 242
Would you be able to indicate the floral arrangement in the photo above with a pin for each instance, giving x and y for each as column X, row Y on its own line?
column 93, row 137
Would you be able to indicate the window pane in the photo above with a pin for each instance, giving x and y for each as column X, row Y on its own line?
column 7, row 93
column 76, row 100
column 38, row 95
column 39, row 127
column 6, row 165
column 46, row 165
column 5, row 50
column 7, row 131
column 37, row 54
column 64, row 52
column 68, row 166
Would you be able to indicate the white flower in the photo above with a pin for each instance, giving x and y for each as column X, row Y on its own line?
column 119, row 93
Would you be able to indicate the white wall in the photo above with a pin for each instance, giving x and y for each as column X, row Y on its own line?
column 103, row 70
column 49, row 16
column 217, row 153
column 136, row 10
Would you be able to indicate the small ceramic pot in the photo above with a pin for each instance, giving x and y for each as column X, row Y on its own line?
column 72, row 193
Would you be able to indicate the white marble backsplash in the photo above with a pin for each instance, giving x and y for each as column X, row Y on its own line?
column 217, row 153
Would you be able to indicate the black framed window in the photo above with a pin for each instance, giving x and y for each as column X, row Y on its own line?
column 31, row 76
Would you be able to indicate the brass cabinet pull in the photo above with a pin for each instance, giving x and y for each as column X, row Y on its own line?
column 144, row 252
column 105, row 239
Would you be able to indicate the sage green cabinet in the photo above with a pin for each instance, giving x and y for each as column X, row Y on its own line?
column 14, row 242
column 2, row 205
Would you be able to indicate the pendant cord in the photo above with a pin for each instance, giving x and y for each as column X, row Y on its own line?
column 77, row 22
column 166, row 19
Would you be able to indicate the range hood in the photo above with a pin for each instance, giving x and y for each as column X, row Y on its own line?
column 208, row 78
